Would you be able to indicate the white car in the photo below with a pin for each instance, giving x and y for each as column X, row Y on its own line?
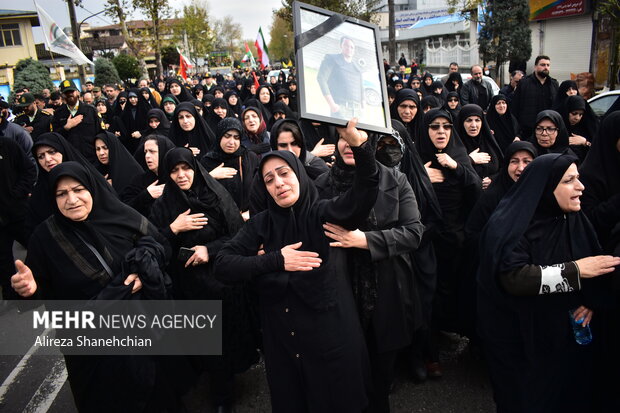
column 601, row 103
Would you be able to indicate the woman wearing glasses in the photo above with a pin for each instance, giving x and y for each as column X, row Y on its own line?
column 457, row 187
column 550, row 134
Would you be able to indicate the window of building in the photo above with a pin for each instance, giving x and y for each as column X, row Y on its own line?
column 9, row 35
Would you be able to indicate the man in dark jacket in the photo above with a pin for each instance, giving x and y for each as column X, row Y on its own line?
column 535, row 93
column 11, row 130
column 509, row 89
column 77, row 121
column 17, row 176
column 478, row 90
column 33, row 120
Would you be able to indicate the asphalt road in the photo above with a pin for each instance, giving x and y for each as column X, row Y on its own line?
column 35, row 383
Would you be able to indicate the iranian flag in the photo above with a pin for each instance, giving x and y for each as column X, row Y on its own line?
column 184, row 65
column 248, row 56
column 261, row 47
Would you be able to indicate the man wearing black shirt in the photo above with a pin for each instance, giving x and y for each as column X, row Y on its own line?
column 77, row 122
column 33, row 120
column 535, row 93
column 340, row 79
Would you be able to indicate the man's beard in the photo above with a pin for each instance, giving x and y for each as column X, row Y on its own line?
column 543, row 73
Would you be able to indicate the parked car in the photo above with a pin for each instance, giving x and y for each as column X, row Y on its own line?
column 601, row 103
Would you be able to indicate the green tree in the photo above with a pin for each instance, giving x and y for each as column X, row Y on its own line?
column 156, row 11
column 169, row 56
column 228, row 36
column 127, row 67
column 117, row 9
column 611, row 9
column 281, row 45
column 194, row 27
column 32, row 74
column 505, row 31
column 105, row 72
column 360, row 9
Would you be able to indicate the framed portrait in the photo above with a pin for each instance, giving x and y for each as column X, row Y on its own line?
column 339, row 69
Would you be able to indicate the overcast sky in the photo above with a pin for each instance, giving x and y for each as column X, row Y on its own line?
column 247, row 13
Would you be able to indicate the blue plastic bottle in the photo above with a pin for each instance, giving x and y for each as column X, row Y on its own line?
column 583, row 335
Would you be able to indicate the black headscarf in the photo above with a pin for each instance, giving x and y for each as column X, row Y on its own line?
column 501, row 184
column 265, row 107
column 163, row 144
column 213, row 118
column 454, row 112
column 244, row 161
column 505, row 127
column 236, row 109
column 201, row 137
column 413, row 167
column 312, row 170
column 151, row 99
column 121, row 167
column 426, row 90
column 437, row 84
column 561, row 96
column 41, row 200
column 117, row 109
column 484, row 141
column 588, row 126
column 254, row 138
column 431, row 101
column 197, row 89
column 530, row 209
column 111, row 226
column 184, row 96
column 164, row 124
column 279, row 107
column 600, row 174
column 561, row 140
column 135, row 117
column 455, row 147
column 206, row 195
column 451, row 77
column 293, row 224
column 414, row 125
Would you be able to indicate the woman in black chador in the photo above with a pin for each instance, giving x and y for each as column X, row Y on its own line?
column 84, row 252
column 133, row 119
column 457, row 187
column 195, row 212
column 231, row 163
column 600, row 173
column 189, row 130
column 50, row 150
column 581, row 124
column 378, row 263
column 114, row 162
column 483, row 150
column 502, row 122
column 147, row 186
column 158, row 124
column 538, row 255
column 406, row 109
column 314, row 348
column 550, row 134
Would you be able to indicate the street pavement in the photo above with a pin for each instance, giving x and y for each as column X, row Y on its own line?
column 38, row 384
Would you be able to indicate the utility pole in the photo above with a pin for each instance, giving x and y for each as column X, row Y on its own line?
column 76, row 37
column 391, row 34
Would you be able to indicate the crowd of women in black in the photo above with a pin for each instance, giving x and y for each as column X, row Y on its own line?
column 335, row 252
